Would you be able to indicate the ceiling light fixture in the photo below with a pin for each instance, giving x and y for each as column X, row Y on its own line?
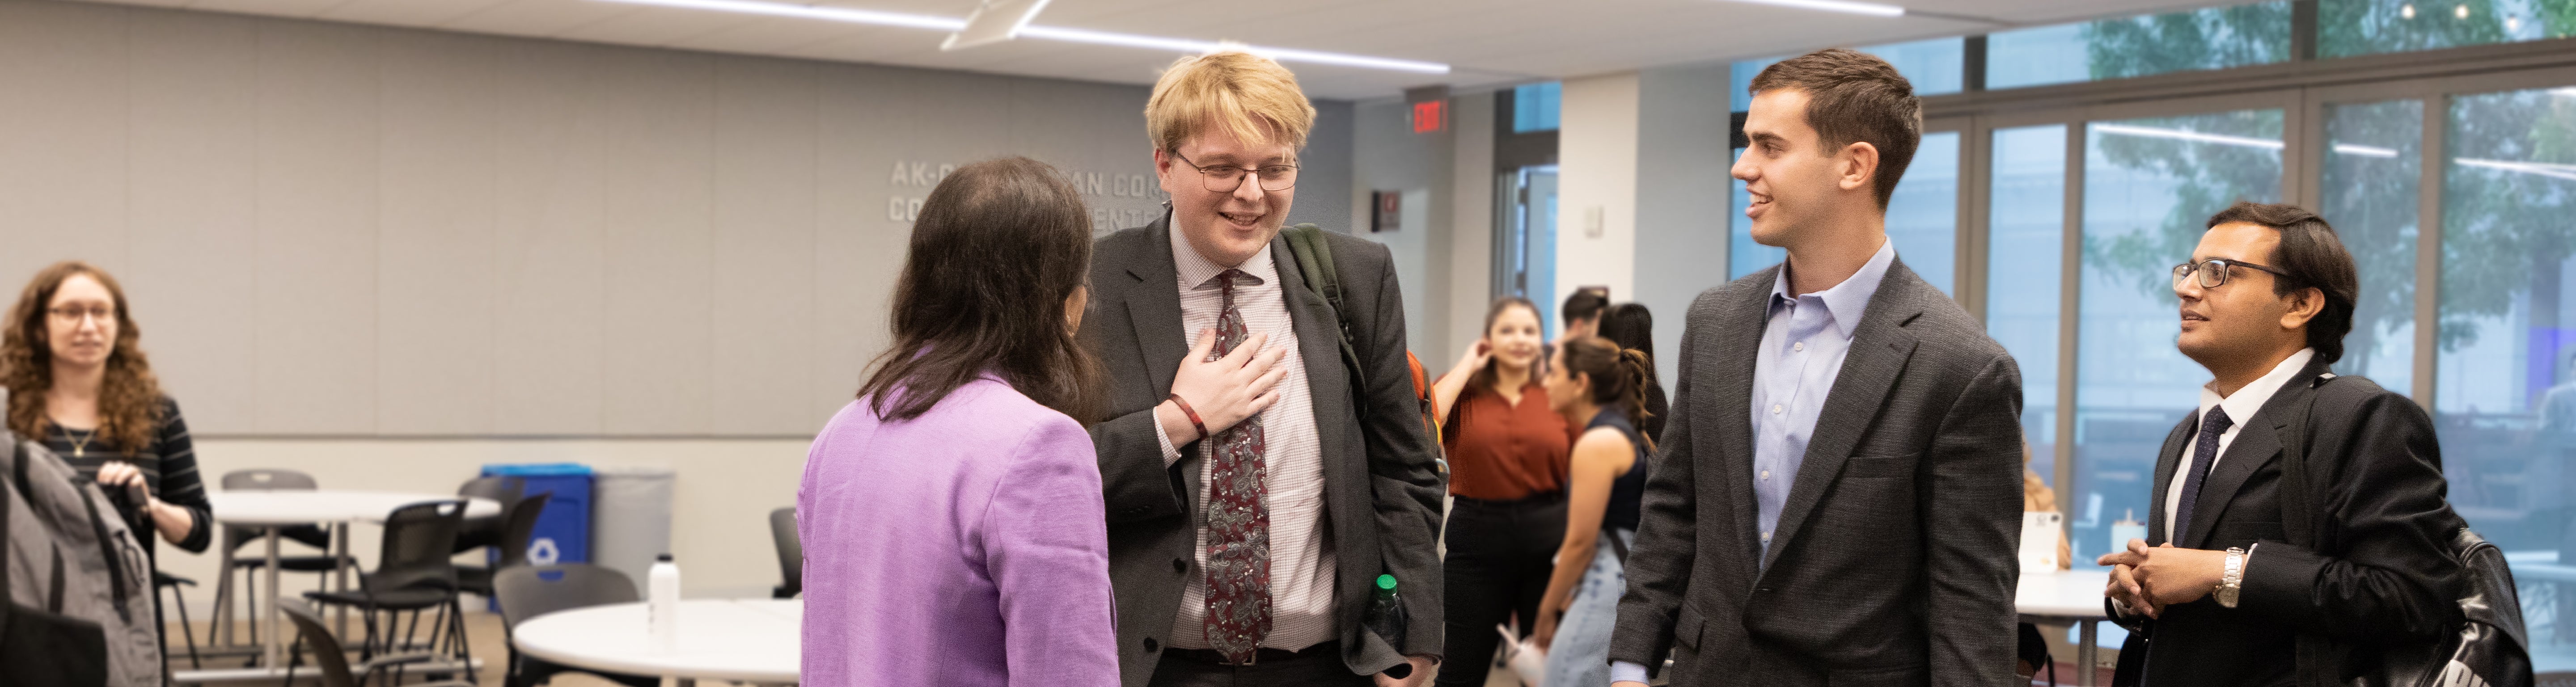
column 2187, row 135
column 939, row 23
column 995, row 21
column 1845, row 6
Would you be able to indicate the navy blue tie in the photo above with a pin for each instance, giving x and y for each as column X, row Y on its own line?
column 2206, row 452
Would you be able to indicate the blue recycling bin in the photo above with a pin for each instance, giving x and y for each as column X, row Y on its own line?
column 563, row 529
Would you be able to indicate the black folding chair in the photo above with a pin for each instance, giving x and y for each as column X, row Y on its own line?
column 791, row 554
column 520, row 528
column 529, row 591
column 412, row 574
column 265, row 479
column 333, row 661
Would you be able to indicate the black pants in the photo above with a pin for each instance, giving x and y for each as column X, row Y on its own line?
column 1500, row 556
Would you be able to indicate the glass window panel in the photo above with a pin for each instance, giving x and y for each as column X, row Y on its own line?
column 2150, row 186
column 1935, row 66
column 1923, row 214
column 2505, row 390
column 2023, row 262
column 1536, row 107
column 2213, row 38
column 2363, row 27
column 2373, row 172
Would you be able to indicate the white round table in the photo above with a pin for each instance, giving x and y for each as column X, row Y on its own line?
column 739, row 640
column 336, row 508
column 2072, row 596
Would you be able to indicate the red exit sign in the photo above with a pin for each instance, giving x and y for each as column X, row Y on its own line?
column 1430, row 116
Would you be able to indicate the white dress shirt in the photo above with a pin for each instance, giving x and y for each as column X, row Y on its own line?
column 1301, row 555
column 2241, row 407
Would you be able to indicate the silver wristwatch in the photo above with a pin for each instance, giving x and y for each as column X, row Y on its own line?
column 2233, row 581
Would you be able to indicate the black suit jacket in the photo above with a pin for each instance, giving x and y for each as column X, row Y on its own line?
column 1894, row 561
column 1381, row 488
column 2381, row 574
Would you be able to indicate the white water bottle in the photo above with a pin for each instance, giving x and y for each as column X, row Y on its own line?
column 662, row 602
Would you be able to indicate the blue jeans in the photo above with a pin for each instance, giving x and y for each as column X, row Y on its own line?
column 1580, row 654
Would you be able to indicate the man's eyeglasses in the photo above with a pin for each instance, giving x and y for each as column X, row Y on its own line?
column 2213, row 272
column 1228, row 178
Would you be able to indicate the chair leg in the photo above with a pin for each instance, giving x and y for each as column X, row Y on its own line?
column 186, row 629
column 464, row 648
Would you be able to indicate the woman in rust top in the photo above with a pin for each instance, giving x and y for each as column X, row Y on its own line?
column 1507, row 471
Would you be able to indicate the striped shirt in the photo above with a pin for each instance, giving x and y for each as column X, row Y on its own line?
column 1301, row 555
column 169, row 466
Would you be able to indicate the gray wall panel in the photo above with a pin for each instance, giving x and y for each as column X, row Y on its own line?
column 659, row 234
column 765, row 134
column 194, row 205
column 435, row 252
column 549, row 261
column 318, row 182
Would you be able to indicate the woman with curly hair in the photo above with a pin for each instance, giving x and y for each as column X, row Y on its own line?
column 78, row 382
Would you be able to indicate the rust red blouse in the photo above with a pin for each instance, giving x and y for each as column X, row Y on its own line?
column 1501, row 451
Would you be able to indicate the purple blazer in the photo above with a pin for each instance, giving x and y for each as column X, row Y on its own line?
column 967, row 546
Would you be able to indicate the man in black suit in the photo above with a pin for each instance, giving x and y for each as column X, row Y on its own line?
column 1254, row 495
column 1840, row 493
column 2216, row 595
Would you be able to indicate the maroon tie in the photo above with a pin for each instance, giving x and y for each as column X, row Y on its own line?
column 1238, row 539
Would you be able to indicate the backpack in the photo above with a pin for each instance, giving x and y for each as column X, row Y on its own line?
column 2488, row 646
column 1315, row 262
column 77, row 583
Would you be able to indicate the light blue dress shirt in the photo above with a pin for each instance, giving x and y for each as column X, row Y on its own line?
column 1804, row 341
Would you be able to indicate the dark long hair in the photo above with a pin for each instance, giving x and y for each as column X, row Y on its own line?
column 129, row 399
column 999, row 247
column 1632, row 327
column 1618, row 376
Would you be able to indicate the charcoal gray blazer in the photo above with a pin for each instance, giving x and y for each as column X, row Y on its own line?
column 1895, row 557
column 1381, row 488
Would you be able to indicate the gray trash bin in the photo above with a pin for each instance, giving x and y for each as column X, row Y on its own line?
column 630, row 521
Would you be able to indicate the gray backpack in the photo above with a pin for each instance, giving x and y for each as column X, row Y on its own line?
column 69, row 554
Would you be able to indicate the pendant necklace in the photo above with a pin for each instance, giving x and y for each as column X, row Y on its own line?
column 80, row 444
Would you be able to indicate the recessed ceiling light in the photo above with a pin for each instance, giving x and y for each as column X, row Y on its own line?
column 951, row 24
column 1846, row 6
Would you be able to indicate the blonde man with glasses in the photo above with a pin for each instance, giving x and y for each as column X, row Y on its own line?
column 1255, row 493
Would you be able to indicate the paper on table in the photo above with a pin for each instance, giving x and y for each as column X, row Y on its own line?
column 2039, row 532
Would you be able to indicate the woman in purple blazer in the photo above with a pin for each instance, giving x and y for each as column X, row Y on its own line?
column 951, row 515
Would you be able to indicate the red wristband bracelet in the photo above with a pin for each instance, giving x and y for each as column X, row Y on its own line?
column 1192, row 414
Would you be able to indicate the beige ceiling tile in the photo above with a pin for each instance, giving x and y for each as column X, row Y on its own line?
column 655, row 26
column 274, row 8
column 545, row 18
column 405, row 12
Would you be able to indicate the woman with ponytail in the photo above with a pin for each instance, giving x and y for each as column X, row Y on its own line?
column 1600, row 387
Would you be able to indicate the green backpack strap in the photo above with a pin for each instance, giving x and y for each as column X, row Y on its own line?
column 1315, row 262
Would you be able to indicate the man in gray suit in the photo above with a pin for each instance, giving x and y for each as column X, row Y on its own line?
column 1840, row 491
column 1255, row 493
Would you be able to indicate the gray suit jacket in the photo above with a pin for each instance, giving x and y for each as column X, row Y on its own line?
column 1382, row 490
column 1895, row 558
